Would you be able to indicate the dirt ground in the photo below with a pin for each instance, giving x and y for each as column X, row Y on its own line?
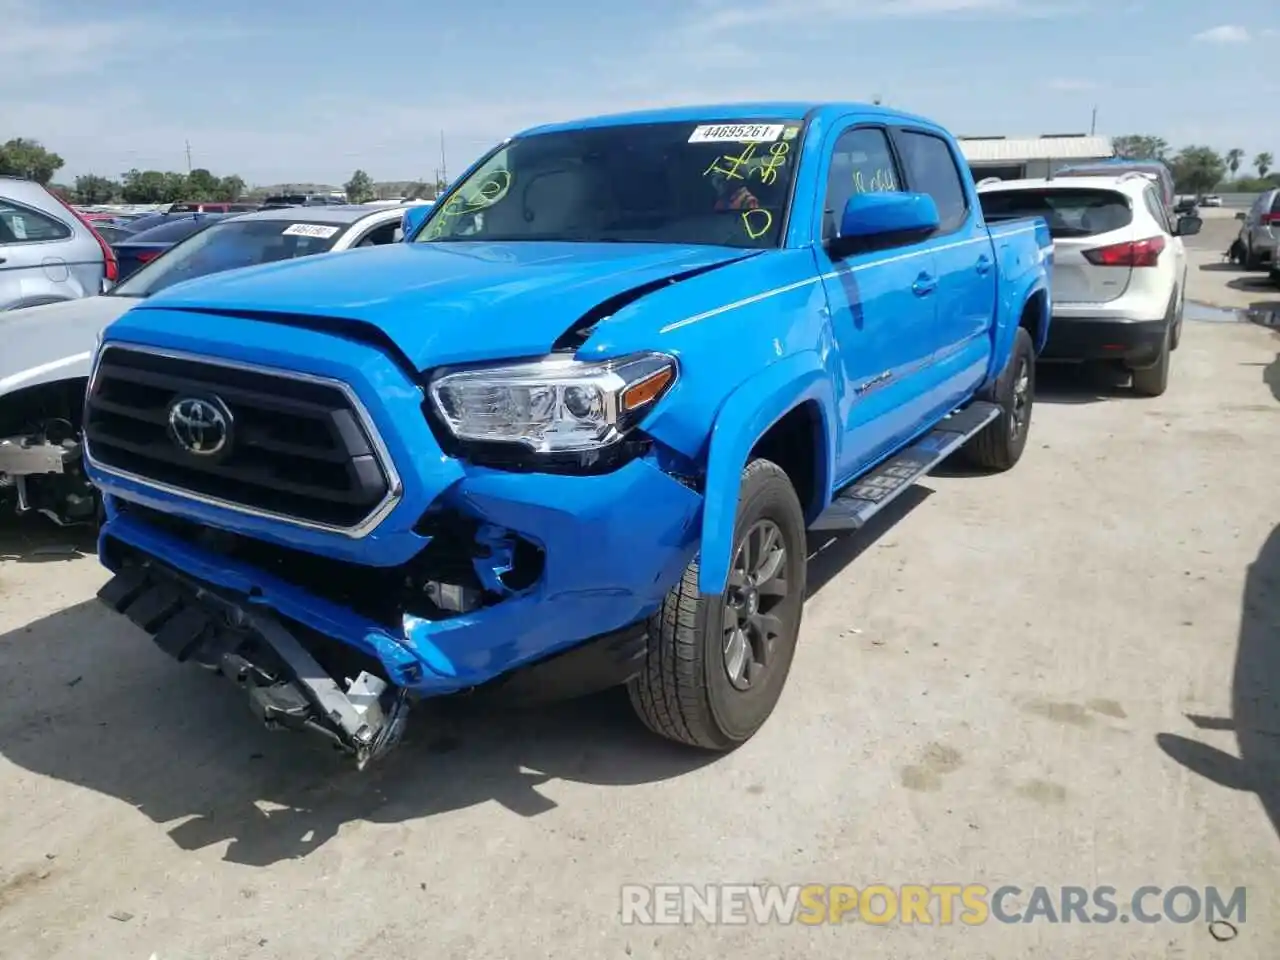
column 1064, row 675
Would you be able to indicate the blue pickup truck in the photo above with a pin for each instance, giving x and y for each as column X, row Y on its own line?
column 571, row 433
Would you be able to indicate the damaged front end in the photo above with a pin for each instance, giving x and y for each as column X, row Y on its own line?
column 296, row 676
column 288, row 685
column 41, row 460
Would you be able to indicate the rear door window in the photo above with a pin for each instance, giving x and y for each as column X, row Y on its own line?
column 931, row 168
column 20, row 224
column 1070, row 212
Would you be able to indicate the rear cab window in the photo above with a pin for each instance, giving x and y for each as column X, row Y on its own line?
column 1069, row 211
column 19, row 224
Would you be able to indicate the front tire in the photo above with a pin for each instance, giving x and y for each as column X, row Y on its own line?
column 999, row 445
column 716, row 666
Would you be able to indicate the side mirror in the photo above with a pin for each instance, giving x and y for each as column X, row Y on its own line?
column 1189, row 226
column 413, row 218
column 1241, row 215
column 868, row 215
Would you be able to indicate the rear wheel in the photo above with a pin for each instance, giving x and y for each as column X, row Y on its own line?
column 999, row 445
column 716, row 666
column 1152, row 381
column 1251, row 261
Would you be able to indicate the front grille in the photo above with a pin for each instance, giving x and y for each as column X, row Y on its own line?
column 293, row 448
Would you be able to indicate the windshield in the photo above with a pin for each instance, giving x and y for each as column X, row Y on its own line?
column 228, row 245
column 727, row 184
column 172, row 231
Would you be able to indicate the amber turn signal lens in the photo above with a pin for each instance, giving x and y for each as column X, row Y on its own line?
column 638, row 394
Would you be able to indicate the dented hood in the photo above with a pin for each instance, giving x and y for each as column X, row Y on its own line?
column 443, row 303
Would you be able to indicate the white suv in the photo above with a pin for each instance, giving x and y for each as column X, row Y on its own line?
column 1119, row 271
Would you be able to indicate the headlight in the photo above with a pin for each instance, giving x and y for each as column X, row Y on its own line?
column 553, row 405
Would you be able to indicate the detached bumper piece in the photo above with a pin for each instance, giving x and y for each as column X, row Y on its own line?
column 288, row 687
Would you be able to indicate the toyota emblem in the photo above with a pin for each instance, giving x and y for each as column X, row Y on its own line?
column 200, row 427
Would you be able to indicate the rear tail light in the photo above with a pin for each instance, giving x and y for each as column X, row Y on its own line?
column 1134, row 253
column 1268, row 219
column 146, row 256
column 111, row 266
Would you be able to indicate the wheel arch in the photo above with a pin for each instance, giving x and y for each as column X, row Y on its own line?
column 787, row 411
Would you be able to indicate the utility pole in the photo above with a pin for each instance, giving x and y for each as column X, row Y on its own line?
column 188, row 156
column 1093, row 124
column 444, row 174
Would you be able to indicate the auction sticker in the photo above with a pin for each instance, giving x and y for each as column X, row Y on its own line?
column 319, row 230
column 736, row 133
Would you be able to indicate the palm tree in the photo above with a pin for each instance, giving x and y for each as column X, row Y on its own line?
column 1235, row 156
column 1263, row 162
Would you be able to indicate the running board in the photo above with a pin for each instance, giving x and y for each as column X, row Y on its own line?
column 857, row 503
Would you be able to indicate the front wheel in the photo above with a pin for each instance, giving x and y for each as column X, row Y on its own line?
column 716, row 666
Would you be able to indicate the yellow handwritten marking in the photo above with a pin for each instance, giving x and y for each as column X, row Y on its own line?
column 731, row 172
column 881, row 182
column 777, row 158
column 751, row 223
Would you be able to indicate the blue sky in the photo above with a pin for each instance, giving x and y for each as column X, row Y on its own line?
column 287, row 90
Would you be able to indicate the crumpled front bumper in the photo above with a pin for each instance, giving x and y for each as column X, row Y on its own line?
column 612, row 546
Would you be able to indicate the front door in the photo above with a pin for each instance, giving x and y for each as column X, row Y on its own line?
column 882, row 304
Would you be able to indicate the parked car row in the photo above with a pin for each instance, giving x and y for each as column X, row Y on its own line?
column 1257, row 247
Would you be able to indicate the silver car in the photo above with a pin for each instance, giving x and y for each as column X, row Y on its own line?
column 48, row 253
column 1260, row 231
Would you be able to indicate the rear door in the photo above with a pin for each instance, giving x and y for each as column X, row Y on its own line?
column 964, row 257
column 1080, row 219
column 33, row 256
column 882, row 306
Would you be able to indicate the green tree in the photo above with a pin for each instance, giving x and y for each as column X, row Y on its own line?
column 1137, row 146
column 1235, row 157
column 25, row 158
column 360, row 187
column 1263, row 162
column 201, row 185
column 91, row 188
column 230, row 188
column 142, row 186
column 176, row 187
column 1198, row 169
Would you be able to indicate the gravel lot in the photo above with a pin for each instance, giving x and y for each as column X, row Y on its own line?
column 1062, row 675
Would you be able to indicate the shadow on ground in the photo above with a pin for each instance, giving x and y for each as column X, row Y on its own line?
column 33, row 538
column 1255, row 697
column 90, row 701
column 1078, row 383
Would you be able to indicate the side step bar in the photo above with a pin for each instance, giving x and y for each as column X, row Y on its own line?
column 287, row 687
column 857, row 503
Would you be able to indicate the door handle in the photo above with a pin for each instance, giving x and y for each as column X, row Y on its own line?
column 984, row 265
column 924, row 285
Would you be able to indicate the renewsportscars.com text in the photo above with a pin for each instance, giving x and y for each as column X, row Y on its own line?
column 931, row 904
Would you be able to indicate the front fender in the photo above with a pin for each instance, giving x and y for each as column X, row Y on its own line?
column 755, row 406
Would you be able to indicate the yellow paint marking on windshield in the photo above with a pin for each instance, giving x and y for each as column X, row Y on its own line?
column 777, row 158
column 494, row 189
column 757, row 222
column 735, row 164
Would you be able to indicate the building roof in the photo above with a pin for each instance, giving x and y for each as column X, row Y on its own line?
column 1018, row 149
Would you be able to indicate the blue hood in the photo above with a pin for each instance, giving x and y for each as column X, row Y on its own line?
column 443, row 303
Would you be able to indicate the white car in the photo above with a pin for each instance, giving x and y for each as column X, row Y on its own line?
column 1211, row 201
column 48, row 349
column 1119, row 272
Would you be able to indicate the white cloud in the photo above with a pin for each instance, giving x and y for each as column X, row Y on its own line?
column 723, row 15
column 1227, row 33
column 36, row 45
column 1072, row 84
